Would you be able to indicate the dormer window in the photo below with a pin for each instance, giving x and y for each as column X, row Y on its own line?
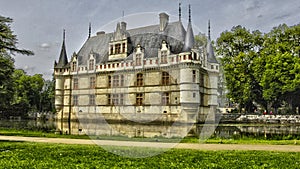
column 118, row 48
column 138, row 59
column 164, row 57
column 74, row 66
column 91, row 64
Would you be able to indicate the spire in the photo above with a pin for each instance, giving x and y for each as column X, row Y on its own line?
column 211, row 58
column 208, row 29
column 63, row 59
column 189, row 37
column 90, row 29
column 190, row 20
column 179, row 11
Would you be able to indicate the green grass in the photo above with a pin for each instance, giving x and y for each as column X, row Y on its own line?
column 43, row 155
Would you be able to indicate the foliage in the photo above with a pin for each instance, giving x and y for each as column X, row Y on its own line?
column 19, row 92
column 42, row 155
column 261, row 69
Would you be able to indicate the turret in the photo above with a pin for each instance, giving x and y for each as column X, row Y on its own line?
column 63, row 59
column 189, row 37
column 211, row 58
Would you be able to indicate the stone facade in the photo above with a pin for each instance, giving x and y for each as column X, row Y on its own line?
column 148, row 74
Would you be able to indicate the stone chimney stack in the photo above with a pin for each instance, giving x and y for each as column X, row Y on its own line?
column 163, row 21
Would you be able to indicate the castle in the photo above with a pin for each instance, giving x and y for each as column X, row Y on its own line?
column 152, row 73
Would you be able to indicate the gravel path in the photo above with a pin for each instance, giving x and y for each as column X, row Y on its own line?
column 286, row 148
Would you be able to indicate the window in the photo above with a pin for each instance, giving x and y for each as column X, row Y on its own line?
column 139, row 99
column 121, row 99
column 73, row 66
column 92, row 82
column 138, row 59
column 165, row 78
column 139, row 79
column 115, row 81
column 92, row 100
column 164, row 57
column 194, row 95
column 91, row 64
column 123, row 50
column 109, row 81
column 115, row 99
column 108, row 99
column 212, row 66
column 111, row 49
column 165, row 98
column 194, row 76
column 122, row 80
column 75, row 83
column 75, row 100
column 118, row 48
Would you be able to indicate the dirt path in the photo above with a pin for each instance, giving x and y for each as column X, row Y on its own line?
column 287, row 148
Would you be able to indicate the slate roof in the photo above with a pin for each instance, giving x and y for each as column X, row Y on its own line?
column 211, row 58
column 149, row 37
column 63, row 59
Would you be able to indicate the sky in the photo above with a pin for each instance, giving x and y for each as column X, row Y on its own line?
column 39, row 24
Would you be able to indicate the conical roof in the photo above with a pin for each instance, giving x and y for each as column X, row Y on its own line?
column 63, row 59
column 211, row 58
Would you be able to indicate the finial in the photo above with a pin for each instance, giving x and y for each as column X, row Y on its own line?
column 64, row 35
column 208, row 29
column 90, row 29
column 189, row 12
column 179, row 11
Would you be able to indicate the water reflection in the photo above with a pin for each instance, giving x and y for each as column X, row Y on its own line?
column 154, row 130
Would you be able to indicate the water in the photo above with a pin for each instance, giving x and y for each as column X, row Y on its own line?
column 155, row 130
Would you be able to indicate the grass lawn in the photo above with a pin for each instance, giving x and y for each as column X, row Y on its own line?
column 44, row 155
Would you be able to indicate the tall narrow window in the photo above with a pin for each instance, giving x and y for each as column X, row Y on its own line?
column 118, row 48
column 75, row 100
column 109, row 81
column 111, row 49
column 164, row 57
column 138, row 59
column 121, row 99
column 92, row 100
column 75, row 83
column 122, row 80
column 91, row 64
column 165, row 98
column 92, row 82
column 73, row 66
column 165, row 78
column 194, row 76
column 139, row 79
column 123, row 47
column 115, row 80
column 139, row 99
column 108, row 99
column 115, row 99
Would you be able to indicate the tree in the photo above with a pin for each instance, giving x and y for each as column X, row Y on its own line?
column 8, row 42
column 239, row 47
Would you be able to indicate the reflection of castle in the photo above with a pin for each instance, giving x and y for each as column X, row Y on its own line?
column 149, row 70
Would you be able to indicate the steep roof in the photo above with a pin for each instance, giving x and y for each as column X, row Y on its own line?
column 63, row 59
column 149, row 37
column 211, row 58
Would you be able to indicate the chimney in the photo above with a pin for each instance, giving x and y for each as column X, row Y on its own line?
column 123, row 26
column 163, row 21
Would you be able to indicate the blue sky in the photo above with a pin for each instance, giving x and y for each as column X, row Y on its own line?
column 39, row 24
